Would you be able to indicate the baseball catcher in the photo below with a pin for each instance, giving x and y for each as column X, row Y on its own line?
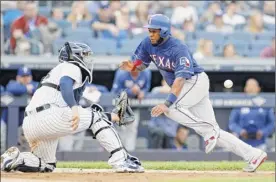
column 54, row 112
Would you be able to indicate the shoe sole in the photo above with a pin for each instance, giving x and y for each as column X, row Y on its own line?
column 262, row 161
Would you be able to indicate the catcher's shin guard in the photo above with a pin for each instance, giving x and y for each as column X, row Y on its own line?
column 109, row 139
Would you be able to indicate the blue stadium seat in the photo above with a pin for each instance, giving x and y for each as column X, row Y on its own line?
column 252, row 53
column 62, row 23
column 217, row 38
column 129, row 46
column 265, row 36
column 270, row 27
column 240, row 36
column 259, row 46
column 45, row 11
column 103, row 46
column 192, row 45
column 140, row 36
column 189, row 36
column 84, row 24
column 82, row 32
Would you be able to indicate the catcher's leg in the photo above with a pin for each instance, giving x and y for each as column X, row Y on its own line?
column 107, row 136
column 13, row 159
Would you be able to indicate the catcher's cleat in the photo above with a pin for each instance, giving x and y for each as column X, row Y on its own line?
column 256, row 161
column 8, row 159
column 128, row 167
column 123, row 110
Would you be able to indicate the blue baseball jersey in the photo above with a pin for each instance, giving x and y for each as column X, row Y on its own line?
column 172, row 58
column 123, row 80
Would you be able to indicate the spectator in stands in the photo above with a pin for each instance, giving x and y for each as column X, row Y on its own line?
column 205, row 49
column 178, row 33
column 269, row 12
column 78, row 13
column 231, row 17
column 137, row 84
column 111, row 23
column 49, row 33
column 24, row 25
column 57, row 14
column 209, row 14
column 140, row 18
column 162, row 130
column 229, row 51
column 182, row 134
column 252, row 125
column 218, row 24
column 183, row 11
column 13, row 13
column 256, row 23
column 23, row 84
column 269, row 52
column 188, row 25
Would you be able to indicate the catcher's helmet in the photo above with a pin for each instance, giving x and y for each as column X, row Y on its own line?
column 162, row 22
column 79, row 54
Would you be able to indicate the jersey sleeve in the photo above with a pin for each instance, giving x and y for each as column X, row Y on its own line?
column 71, row 71
column 184, row 63
column 142, row 54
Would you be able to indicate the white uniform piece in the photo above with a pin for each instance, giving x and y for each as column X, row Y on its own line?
column 46, row 127
column 193, row 109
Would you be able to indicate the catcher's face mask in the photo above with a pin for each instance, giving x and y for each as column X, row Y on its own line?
column 80, row 54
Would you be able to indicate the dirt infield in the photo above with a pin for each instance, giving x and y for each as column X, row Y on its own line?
column 88, row 175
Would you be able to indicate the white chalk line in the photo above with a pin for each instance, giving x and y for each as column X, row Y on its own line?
column 77, row 170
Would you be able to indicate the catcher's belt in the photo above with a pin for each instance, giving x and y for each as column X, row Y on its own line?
column 37, row 110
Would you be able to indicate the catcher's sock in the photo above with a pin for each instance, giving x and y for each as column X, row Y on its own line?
column 235, row 145
column 109, row 139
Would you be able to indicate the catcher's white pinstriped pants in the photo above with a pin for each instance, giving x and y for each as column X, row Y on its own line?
column 46, row 127
column 194, row 110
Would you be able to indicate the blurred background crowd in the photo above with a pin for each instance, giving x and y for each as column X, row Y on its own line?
column 209, row 28
column 230, row 29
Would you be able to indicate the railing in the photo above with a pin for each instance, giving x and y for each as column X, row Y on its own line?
column 222, row 103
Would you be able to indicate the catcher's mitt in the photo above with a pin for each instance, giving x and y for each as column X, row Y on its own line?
column 123, row 109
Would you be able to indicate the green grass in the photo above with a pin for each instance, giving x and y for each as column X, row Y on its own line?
column 201, row 166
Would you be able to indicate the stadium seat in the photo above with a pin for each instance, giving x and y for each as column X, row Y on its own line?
column 128, row 46
column 189, row 36
column 45, row 11
column 84, row 24
column 192, row 45
column 240, row 36
column 62, row 24
column 81, row 32
column 270, row 27
column 265, row 36
column 103, row 46
column 214, row 36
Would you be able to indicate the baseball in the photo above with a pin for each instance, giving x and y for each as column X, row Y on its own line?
column 228, row 84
